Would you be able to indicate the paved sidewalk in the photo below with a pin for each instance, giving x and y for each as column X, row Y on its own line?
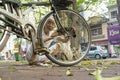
column 22, row 71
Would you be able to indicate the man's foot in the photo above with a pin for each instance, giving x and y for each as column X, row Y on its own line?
column 39, row 64
column 44, row 64
column 33, row 63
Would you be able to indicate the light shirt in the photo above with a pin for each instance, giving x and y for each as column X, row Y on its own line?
column 44, row 36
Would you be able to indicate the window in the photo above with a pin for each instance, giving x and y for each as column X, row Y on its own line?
column 96, row 31
column 93, row 48
column 114, row 14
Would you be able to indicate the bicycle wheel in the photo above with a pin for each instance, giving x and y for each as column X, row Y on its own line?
column 76, row 48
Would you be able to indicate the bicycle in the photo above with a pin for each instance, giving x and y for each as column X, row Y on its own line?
column 70, row 23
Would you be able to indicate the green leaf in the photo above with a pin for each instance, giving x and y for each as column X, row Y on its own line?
column 80, row 1
column 86, row 63
column 94, row 0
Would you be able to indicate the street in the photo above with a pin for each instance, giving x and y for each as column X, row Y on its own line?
column 22, row 71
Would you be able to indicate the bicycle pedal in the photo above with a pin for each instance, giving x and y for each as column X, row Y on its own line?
column 41, row 50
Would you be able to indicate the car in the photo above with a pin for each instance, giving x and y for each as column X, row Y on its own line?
column 98, row 52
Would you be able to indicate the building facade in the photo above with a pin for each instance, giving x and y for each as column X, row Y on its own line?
column 113, row 29
column 106, row 32
column 98, row 27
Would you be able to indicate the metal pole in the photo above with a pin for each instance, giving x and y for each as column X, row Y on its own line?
column 118, row 17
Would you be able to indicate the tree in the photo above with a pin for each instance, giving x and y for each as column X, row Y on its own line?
column 93, row 7
column 82, row 5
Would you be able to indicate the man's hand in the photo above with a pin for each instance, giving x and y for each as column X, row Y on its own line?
column 64, row 40
column 47, row 39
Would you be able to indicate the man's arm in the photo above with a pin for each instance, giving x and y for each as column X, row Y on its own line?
column 47, row 39
column 64, row 40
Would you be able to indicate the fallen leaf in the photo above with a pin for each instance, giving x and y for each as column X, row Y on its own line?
column 11, row 68
column 98, row 76
column 68, row 72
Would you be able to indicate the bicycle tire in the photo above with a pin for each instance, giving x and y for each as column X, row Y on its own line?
column 79, row 25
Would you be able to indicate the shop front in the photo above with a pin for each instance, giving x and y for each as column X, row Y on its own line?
column 114, row 34
column 114, row 38
column 104, row 43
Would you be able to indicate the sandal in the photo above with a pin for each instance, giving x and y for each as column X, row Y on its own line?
column 44, row 64
column 33, row 63
column 39, row 64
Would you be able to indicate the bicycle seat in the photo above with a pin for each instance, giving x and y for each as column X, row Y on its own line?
column 17, row 2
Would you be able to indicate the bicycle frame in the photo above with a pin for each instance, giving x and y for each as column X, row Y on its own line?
column 18, row 29
column 73, row 30
column 17, row 19
column 56, row 17
column 22, row 23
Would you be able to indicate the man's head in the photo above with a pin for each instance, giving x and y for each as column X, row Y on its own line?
column 50, row 24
